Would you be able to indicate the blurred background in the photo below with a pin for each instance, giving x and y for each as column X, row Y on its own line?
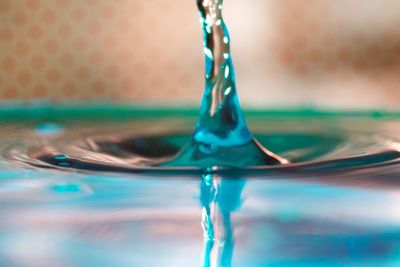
column 288, row 53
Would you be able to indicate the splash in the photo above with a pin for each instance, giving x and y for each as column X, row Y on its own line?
column 221, row 136
column 221, row 120
column 221, row 142
column 306, row 213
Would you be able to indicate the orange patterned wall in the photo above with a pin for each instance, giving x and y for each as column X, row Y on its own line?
column 342, row 54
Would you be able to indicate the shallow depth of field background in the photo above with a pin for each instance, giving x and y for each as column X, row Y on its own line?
column 323, row 53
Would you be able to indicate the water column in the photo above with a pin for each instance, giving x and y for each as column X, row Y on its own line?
column 221, row 136
column 221, row 119
column 219, row 197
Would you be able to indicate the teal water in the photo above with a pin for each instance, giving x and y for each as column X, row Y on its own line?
column 83, row 187
column 221, row 121
column 221, row 132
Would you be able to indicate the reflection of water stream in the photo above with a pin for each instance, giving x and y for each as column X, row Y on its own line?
column 219, row 197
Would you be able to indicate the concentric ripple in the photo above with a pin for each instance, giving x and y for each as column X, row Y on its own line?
column 314, row 145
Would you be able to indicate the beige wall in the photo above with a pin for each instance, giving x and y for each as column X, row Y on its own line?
column 342, row 54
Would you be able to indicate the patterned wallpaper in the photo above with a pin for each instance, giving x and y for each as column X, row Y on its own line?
column 341, row 54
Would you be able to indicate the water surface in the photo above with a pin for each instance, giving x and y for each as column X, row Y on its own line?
column 335, row 204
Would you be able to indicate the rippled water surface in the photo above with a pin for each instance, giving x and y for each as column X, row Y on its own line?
column 90, row 187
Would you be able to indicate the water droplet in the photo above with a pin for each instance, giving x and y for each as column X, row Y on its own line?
column 61, row 157
column 48, row 128
column 71, row 189
column 66, row 188
column 62, row 160
column 227, row 91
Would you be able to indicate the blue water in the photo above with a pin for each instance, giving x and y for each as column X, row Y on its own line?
column 85, row 190
column 67, row 219
column 83, row 187
column 221, row 121
column 221, row 125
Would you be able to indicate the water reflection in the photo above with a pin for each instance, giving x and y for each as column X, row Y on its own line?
column 220, row 196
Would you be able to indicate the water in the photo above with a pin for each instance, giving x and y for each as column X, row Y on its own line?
column 221, row 120
column 221, row 132
column 86, row 193
column 136, row 187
